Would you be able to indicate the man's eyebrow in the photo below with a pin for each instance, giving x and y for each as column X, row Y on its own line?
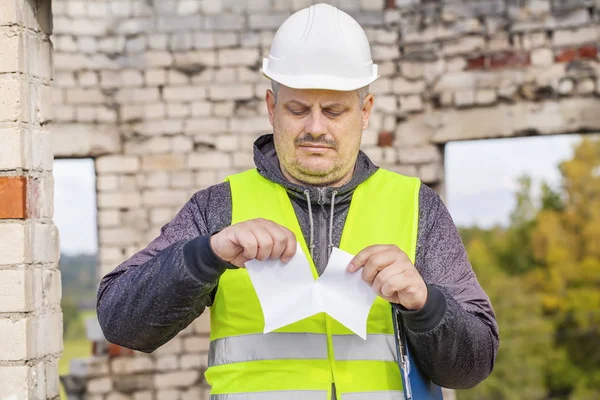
column 333, row 104
column 296, row 102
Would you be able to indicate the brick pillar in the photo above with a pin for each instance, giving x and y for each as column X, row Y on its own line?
column 30, row 315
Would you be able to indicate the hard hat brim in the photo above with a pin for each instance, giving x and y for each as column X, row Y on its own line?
column 320, row 81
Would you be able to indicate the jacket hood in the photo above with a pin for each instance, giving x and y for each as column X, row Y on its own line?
column 267, row 163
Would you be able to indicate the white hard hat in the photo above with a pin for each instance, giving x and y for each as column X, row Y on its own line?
column 320, row 47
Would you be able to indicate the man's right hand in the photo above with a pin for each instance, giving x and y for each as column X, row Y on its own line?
column 254, row 239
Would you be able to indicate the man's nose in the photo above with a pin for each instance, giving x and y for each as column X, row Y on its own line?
column 316, row 124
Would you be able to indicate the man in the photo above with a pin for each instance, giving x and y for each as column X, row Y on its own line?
column 311, row 185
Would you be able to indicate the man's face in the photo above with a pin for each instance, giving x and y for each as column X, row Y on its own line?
column 317, row 133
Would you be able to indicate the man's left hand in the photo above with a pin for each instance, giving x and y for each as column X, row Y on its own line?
column 391, row 274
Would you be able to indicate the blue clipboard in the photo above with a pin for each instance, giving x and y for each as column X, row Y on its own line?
column 415, row 384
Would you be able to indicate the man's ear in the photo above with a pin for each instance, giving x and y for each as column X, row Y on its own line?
column 270, row 101
column 366, row 110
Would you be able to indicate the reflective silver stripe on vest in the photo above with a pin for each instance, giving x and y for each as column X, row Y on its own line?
column 377, row 347
column 382, row 395
column 269, row 346
column 275, row 395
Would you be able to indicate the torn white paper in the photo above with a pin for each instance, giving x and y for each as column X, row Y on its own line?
column 288, row 292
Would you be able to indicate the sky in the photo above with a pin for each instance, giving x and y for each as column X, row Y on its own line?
column 481, row 180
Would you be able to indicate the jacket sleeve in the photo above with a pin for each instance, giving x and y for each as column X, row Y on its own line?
column 454, row 336
column 149, row 298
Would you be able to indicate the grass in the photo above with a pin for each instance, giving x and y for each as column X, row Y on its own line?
column 79, row 347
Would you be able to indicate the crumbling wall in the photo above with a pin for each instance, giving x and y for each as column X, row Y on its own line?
column 30, row 316
column 167, row 96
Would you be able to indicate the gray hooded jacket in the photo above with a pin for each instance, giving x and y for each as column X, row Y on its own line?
column 149, row 298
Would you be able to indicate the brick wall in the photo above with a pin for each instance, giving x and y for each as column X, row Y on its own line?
column 166, row 95
column 30, row 316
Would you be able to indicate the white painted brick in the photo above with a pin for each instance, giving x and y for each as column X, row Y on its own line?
column 464, row 98
column 182, row 144
column 132, row 78
column 108, row 218
column 542, row 57
column 18, row 341
column 15, row 290
column 196, row 344
column 52, row 382
column 230, row 92
column 589, row 34
column 155, row 111
column 176, row 78
column 138, row 95
column 196, row 57
column 10, row 99
column 158, row 41
column 158, row 179
column 48, row 330
column 162, row 197
column 158, row 58
column 192, row 361
column 182, row 179
column 173, row 346
column 118, row 236
column 485, row 96
column 178, row 110
column 202, row 323
column 116, row 163
column 162, row 162
column 226, row 75
column 243, row 160
column 176, row 379
column 404, row 86
column 411, row 103
column 167, row 363
column 107, row 182
column 267, row 21
column 145, row 395
column 224, row 22
column 45, row 242
column 386, row 104
column 12, row 245
column 161, row 215
column 99, row 385
column 209, row 160
column 227, row 143
column 12, row 155
column 52, row 288
column 235, row 57
column 185, row 93
column 205, row 178
column 223, row 108
column 16, row 382
column 585, row 86
column 119, row 200
column 156, row 77
column 250, row 125
column 205, row 126
column 430, row 173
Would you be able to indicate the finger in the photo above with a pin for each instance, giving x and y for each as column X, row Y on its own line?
column 376, row 263
column 264, row 241
column 247, row 241
column 279, row 238
column 396, row 284
column 384, row 275
column 361, row 258
column 290, row 247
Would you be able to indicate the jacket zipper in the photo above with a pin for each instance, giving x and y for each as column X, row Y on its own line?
column 322, row 231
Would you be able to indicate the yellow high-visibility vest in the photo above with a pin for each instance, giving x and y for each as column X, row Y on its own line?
column 302, row 360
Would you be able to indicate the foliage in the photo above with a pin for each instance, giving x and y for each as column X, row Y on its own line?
column 542, row 274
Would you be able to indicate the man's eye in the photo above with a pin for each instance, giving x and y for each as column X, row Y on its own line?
column 334, row 113
column 297, row 112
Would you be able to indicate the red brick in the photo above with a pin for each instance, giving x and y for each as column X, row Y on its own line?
column 390, row 4
column 13, row 197
column 476, row 62
column 589, row 51
column 565, row 55
column 385, row 139
column 116, row 350
column 509, row 59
